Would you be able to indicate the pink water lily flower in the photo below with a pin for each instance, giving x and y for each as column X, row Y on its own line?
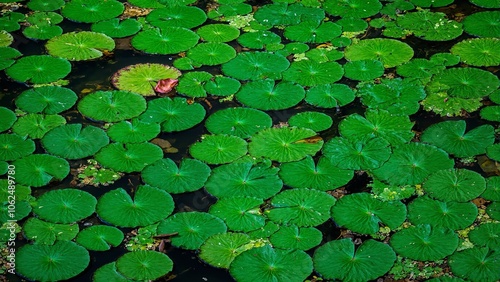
column 165, row 85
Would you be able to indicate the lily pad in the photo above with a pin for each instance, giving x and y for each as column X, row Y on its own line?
column 322, row 176
column 100, row 237
column 112, row 106
column 390, row 52
column 339, row 259
column 190, row 176
column 8, row 118
column 65, row 205
column 459, row 185
column 222, row 86
column 218, row 32
column 432, row 3
column 240, row 122
column 244, row 179
column 256, row 66
column 491, row 113
column 259, row 39
column 48, row 233
column 211, row 54
column 38, row 170
column 239, row 213
column 191, row 84
column 108, row 272
column 144, row 265
column 168, row 40
column 311, row 73
column 143, row 78
column 420, row 68
column 285, row 144
column 173, row 114
column 486, row 235
column 284, row 14
column 116, row 28
column 364, row 70
column 330, row 95
column 38, row 69
column 13, row 147
column 492, row 192
column 266, row 264
column 302, row 207
column 479, row 52
column 486, row 3
column 431, row 26
column 42, row 32
column 46, row 99
column 362, row 213
column 72, row 142
column 451, row 137
column 219, row 149
column 313, row 32
column 90, row 11
column 266, row 95
column 177, row 16
column 295, row 238
column 312, row 120
column 42, row 5
column 220, row 249
column 80, row 46
column 135, row 131
column 61, row 261
column 129, row 157
column 192, row 228
column 477, row 264
column 484, row 24
column 149, row 205
column 8, row 56
column 36, row 126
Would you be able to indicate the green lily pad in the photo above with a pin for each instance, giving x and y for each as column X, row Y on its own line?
column 446, row 59
column 311, row 73
column 72, row 142
column 211, row 53
column 419, row 68
column 302, row 207
column 431, row 3
column 364, row 70
column 266, row 264
column 92, row 10
column 266, row 95
column 116, row 28
column 284, row 14
column 330, row 95
column 218, row 32
column 192, row 228
column 220, row 249
column 352, row 24
column 459, row 185
column 13, row 147
column 479, row 52
column 491, row 113
column 483, row 24
column 244, row 179
column 192, row 84
column 100, row 237
column 42, row 32
column 112, row 106
column 177, row 16
column 168, row 40
column 135, row 131
column 46, row 99
column 322, row 176
column 8, row 118
column 128, row 157
column 5, row 38
column 144, row 265
column 8, row 56
column 256, row 66
column 108, row 272
column 285, row 144
column 190, row 176
column 259, row 39
column 36, row 126
column 390, row 52
column 38, row 69
column 492, row 192
column 362, row 213
column 149, row 205
column 61, row 261
column 486, row 3
column 218, row 149
column 493, row 210
column 65, row 205
column 42, row 5
column 222, row 86
column 486, row 235
column 80, row 46
column 312, row 120
column 339, row 259
column 313, row 32
column 477, row 264
column 424, row 243
column 295, row 238
column 240, row 122
column 47, row 233
column 39, row 169
column 451, row 137
column 431, row 26
column 239, row 213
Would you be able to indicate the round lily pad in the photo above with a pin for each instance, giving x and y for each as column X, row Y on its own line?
column 477, row 264
column 491, row 113
column 459, row 185
column 72, row 142
column 467, row 82
column 177, row 16
column 149, row 205
column 241, row 122
column 167, row 40
column 36, row 126
column 322, row 176
column 312, row 120
column 259, row 39
column 108, row 272
column 484, row 24
column 390, row 52
column 44, row 18
column 39, row 169
column 128, row 157
column 90, row 11
column 419, row 68
column 446, row 59
column 486, row 3
column 451, row 137
column 222, row 86
column 219, row 149
column 266, row 264
column 144, row 265
column 8, row 118
column 340, row 259
column 362, row 213
column 284, row 14
column 239, row 213
column 13, row 146
column 48, row 233
column 189, row 176
column 244, row 179
column 486, row 235
column 65, row 205
column 492, row 192
column 116, row 28
column 329, row 95
column 220, row 249
column 112, row 106
column 285, row 144
column 5, row 38
column 364, row 70
column 431, row 26
column 8, row 56
column 173, row 114
column 135, row 131
column 412, row 164
column 192, row 228
column 424, row 243
column 302, row 207
column 61, row 261
column 446, row 214
column 100, row 237
column 311, row 73
column 192, row 84
column 218, row 32
column 313, row 32
column 256, row 66
column 493, row 210
column 46, row 99
column 42, row 32
column 211, row 53
column 479, row 52
column 295, row 238
column 80, row 46
column 41, row 5
column 266, row 95
column 38, row 69
column 143, row 78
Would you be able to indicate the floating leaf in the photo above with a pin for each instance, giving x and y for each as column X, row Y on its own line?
column 432, row 3
column 476, row 264
column 177, row 16
column 90, row 11
column 285, row 144
column 244, row 179
column 311, row 73
column 364, row 70
column 222, row 86
column 218, row 32
column 211, row 54
column 419, row 68
column 8, row 56
column 256, row 66
column 266, row 264
column 313, row 32
column 42, row 5
column 241, row 122
column 352, row 24
column 61, row 261
column 39, row 69
column 100, row 237
column 46, row 99
column 219, row 149
column 484, row 24
column 486, row 3
column 266, row 95
column 451, row 137
column 149, row 205
column 135, row 131
column 42, row 32
column 391, row 52
column 312, row 120
column 459, row 185
column 220, row 249
column 8, row 118
column 258, row 39
column 128, row 157
column 192, row 228
column 339, row 259
column 112, row 106
column 190, row 176
column 329, row 95
column 486, row 235
column 492, row 192
column 424, row 243
column 431, row 26
column 284, row 14
column 479, row 52
column 48, row 233
column 295, row 238
column 39, row 169
column 239, row 213
column 302, row 207
column 108, row 272
column 168, row 40
column 36, row 126
column 322, row 176
column 144, row 265
column 117, row 28
column 13, row 147
column 80, row 46
column 191, row 84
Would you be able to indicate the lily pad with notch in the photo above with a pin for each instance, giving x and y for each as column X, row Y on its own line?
column 492, row 192
column 135, row 131
column 144, row 265
column 131, row 157
column 8, row 56
column 46, row 99
column 313, row 120
column 352, row 8
column 364, row 70
column 486, row 3
column 222, row 86
column 312, row 73
column 211, row 53
column 177, row 16
column 168, row 40
column 459, row 185
column 80, row 46
column 313, row 32
column 239, row 213
column 112, row 106
column 256, row 66
column 108, row 272
column 100, row 237
column 486, row 235
column 218, row 32
column 220, row 249
column 330, row 95
column 296, row 238
column 267, row 95
column 148, row 205
column 479, row 52
column 477, row 264
column 35, row 126
column 13, row 147
column 45, row 6
column 284, row 14
column 65, row 205
column 42, row 32
column 219, row 149
column 259, row 39
column 191, row 84
column 430, row 26
column 240, row 122
column 116, row 28
column 90, row 11
column 37, row 170
column 390, row 52
column 47, row 233
column 483, row 24
column 39, row 69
